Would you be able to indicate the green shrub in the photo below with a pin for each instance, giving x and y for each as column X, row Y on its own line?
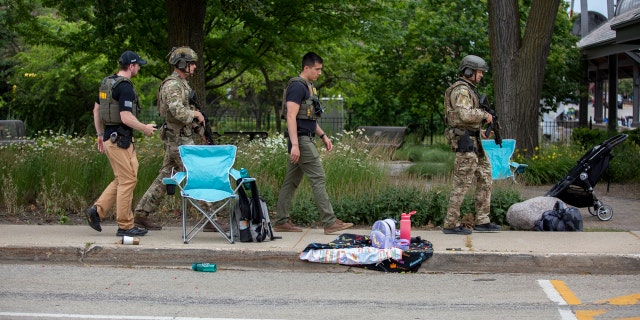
column 587, row 138
column 552, row 163
column 62, row 175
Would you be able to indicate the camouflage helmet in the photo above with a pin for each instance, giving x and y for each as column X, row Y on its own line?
column 180, row 56
column 474, row 63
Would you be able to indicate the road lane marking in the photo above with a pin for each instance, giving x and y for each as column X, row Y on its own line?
column 589, row 314
column 551, row 292
column 565, row 292
column 623, row 300
column 555, row 296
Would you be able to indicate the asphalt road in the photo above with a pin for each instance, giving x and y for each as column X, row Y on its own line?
column 71, row 292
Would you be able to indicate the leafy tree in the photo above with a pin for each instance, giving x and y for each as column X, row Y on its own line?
column 237, row 36
column 519, row 58
column 53, row 90
column 391, row 60
column 418, row 58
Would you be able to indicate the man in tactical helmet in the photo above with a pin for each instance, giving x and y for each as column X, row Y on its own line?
column 464, row 120
column 182, row 122
column 301, row 110
column 114, row 116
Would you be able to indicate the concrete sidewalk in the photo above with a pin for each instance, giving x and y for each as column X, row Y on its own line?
column 504, row 252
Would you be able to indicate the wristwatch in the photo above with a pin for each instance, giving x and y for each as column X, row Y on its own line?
column 322, row 136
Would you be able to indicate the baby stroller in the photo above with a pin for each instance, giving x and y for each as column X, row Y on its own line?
column 576, row 188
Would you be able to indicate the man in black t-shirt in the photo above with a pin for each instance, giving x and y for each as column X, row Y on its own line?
column 115, row 119
column 301, row 115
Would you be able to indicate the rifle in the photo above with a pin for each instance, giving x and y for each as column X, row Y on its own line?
column 494, row 125
column 208, row 134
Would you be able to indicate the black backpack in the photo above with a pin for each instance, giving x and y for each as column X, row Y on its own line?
column 251, row 217
column 560, row 219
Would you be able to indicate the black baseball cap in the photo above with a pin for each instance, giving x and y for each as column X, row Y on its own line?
column 130, row 57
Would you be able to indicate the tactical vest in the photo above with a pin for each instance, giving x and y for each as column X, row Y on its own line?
column 109, row 107
column 459, row 136
column 451, row 116
column 307, row 109
column 174, row 124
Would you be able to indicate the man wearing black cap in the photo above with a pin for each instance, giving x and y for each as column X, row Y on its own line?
column 114, row 116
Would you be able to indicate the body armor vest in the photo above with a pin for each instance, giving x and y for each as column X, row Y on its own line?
column 451, row 116
column 109, row 107
column 178, row 127
column 307, row 109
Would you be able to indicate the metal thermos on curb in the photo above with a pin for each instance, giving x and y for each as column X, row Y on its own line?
column 203, row 267
column 130, row 240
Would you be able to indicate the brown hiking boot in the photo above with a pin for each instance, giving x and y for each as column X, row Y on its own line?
column 143, row 221
column 286, row 227
column 337, row 226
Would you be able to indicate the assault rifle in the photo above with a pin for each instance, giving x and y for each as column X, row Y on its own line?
column 494, row 125
column 208, row 134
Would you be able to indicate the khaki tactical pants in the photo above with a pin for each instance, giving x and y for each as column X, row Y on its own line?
column 124, row 163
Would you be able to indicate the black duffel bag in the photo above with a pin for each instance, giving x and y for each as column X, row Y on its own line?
column 560, row 219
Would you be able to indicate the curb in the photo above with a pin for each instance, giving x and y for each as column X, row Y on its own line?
column 234, row 259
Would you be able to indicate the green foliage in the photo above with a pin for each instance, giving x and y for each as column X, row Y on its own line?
column 622, row 167
column 634, row 136
column 391, row 59
column 587, row 138
column 563, row 71
column 503, row 196
column 428, row 161
column 62, row 175
column 551, row 163
column 413, row 67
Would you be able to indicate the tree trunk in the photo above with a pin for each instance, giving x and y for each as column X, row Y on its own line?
column 272, row 97
column 185, row 27
column 518, row 64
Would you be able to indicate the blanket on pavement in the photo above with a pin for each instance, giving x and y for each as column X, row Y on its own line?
column 356, row 250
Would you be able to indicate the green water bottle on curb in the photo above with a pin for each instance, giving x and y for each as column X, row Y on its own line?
column 203, row 267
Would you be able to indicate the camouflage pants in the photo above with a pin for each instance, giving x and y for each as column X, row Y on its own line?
column 468, row 167
column 153, row 196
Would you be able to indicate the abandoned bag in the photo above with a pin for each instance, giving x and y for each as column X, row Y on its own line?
column 560, row 219
column 251, row 221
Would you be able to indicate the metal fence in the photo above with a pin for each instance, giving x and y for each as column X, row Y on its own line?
column 333, row 123
column 556, row 131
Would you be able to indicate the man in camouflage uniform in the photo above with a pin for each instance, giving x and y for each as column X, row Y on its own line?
column 464, row 120
column 183, row 121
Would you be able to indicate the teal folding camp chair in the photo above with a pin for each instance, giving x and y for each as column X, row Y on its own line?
column 205, row 179
column 500, row 157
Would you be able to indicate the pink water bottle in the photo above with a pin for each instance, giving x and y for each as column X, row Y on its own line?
column 405, row 225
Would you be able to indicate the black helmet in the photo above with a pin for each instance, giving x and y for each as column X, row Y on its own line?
column 473, row 63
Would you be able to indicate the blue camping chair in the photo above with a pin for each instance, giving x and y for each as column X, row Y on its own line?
column 206, row 179
column 501, row 165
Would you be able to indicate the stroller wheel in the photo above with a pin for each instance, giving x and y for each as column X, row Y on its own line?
column 605, row 212
column 592, row 211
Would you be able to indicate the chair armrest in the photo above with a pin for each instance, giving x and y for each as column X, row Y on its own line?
column 177, row 178
column 236, row 175
column 519, row 167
